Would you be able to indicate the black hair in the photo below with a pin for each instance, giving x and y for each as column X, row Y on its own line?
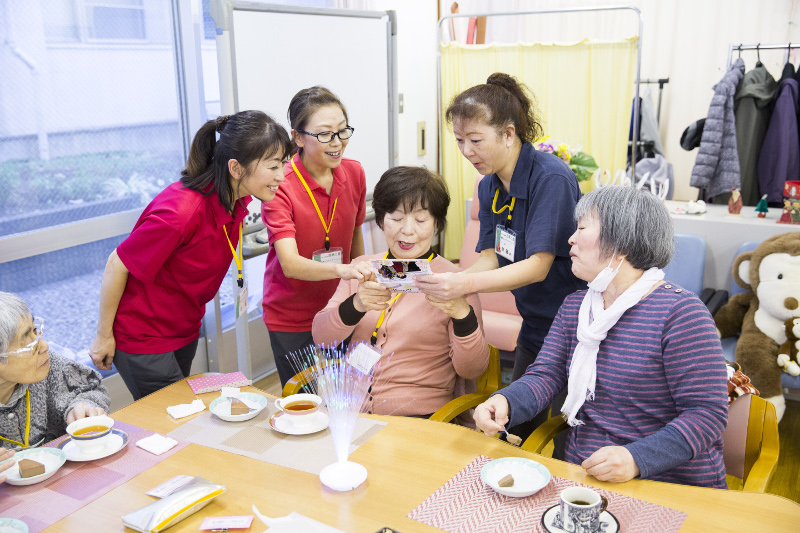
column 411, row 187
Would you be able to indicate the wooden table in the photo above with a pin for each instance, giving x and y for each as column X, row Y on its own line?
column 407, row 461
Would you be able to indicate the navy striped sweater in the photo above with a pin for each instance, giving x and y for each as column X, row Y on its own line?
column 661, row 387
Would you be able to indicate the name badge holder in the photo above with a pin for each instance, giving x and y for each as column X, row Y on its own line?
column 241, row 301
column 334, row 255
column 364, row 357
column 505, row 242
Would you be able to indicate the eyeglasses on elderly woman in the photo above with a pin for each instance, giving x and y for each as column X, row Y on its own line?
column 29, row 350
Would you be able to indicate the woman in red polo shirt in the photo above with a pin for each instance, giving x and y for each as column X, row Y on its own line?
column 157, row 282
column 314, row 224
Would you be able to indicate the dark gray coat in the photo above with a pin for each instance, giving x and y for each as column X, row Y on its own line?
column 752, row 111
column 716, row 168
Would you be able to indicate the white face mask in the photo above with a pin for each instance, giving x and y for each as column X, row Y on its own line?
column 604, row 278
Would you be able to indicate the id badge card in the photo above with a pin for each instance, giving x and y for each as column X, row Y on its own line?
column 334, row 255
column 241, row 301
column 505, row 242
column 364, row 357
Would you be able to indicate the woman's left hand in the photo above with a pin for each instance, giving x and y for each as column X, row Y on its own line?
column 445, row 286
column 458, row 308
column 611, row 463
column 83, row 410
column 6, row 454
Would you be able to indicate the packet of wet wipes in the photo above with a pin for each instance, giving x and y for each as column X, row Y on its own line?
column 170, row 510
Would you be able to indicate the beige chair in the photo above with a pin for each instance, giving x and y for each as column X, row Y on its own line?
column 750, row 442
column 501, row 320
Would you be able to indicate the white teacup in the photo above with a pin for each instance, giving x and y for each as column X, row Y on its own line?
column 87, row 440
column 580, row 510
column 298, row 406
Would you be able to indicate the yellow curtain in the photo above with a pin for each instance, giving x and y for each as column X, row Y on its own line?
column 584, row 93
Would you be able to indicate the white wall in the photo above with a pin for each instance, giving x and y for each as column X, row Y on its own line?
column 685, row 40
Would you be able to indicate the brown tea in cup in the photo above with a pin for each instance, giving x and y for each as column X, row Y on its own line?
column 301, row 405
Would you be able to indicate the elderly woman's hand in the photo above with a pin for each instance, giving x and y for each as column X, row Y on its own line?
column 611, row 463
column 6, row 454
column 458, row 308
column 371, row 296
column 83, row 410
column 492, row 415
column 445, row 286
column 102, row 351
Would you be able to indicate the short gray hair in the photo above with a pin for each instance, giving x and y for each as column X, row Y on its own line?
column 13, row 310
column 633, row 223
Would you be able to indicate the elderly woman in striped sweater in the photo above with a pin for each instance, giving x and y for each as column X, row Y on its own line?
column 639, row 355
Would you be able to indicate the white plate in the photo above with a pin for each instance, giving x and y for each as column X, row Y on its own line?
column 14, row 525
column 115, row 442
column 221, row 407
column 309, row 424
column 529, row 476
column 608, row 522
column 51, row 458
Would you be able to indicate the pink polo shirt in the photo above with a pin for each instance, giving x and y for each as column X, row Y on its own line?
column 177, row 255
column 290, row 304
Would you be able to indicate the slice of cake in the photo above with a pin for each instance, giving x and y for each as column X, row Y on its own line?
column 238, row 407
column 30, row 468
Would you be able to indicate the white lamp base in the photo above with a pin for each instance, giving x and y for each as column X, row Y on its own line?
column 343, row 476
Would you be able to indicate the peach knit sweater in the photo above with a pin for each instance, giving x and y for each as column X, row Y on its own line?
column 426, row 356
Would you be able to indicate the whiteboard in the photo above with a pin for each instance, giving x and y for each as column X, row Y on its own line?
column 279, row 50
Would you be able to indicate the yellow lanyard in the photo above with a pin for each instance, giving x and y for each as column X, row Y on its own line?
column 374, row 339
column 27, row 422
column 326, row 227
column 510, row 208
column 239, row 258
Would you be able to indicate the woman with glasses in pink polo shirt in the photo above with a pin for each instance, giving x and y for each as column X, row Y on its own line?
column 314, row 224
column 157, row 282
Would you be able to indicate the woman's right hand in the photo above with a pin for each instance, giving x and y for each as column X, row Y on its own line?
column 102, row 351
column 492, row 415
column 6, row 454
column 371, row 296
column 360, row 271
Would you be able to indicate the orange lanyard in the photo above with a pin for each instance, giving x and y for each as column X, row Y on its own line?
column 510, row 208
column 326, row 227
column 238, row 258
column 24, row 444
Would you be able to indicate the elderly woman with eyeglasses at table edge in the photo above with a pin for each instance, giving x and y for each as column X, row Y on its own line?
column 40, row 391
column 640, row 356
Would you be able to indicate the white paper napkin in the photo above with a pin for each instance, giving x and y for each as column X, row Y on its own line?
column 294, row 523
column 156, row 444
column 229, row 392
column 186, row 409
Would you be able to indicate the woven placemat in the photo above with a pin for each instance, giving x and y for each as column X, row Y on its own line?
column 255, row 438
column 78, row 483
column 466, row 504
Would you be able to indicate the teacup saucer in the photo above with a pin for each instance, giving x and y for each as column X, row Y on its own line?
column 117, row 440
column 281, row 422
column 14, row 525
column 608, row 522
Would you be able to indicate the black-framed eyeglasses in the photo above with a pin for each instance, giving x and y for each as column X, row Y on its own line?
column 327, row 136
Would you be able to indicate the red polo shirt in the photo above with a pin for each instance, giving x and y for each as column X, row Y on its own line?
column 177, row 255
column 290, row 304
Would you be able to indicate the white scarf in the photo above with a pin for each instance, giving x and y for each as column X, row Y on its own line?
column 593, row 324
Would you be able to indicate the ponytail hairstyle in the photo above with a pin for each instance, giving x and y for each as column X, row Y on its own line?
column 305, row 103
column 248, row 137
column 501, row 101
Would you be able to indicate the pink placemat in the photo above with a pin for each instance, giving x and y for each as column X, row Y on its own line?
column 465, row 504
column 214, row 383
column 78, row 483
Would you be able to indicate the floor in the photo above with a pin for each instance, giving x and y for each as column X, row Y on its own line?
column 785, row 482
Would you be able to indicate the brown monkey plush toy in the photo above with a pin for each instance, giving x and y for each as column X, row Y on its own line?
column 771, row 272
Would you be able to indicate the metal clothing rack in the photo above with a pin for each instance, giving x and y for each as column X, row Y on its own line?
column 545, row 12
column 758, row 47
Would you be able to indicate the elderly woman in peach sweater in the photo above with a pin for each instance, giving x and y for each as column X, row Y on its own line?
column 426, row 343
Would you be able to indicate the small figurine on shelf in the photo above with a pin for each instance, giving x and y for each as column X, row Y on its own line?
column 735, row 202
column 761, row 208
column 786, row 214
